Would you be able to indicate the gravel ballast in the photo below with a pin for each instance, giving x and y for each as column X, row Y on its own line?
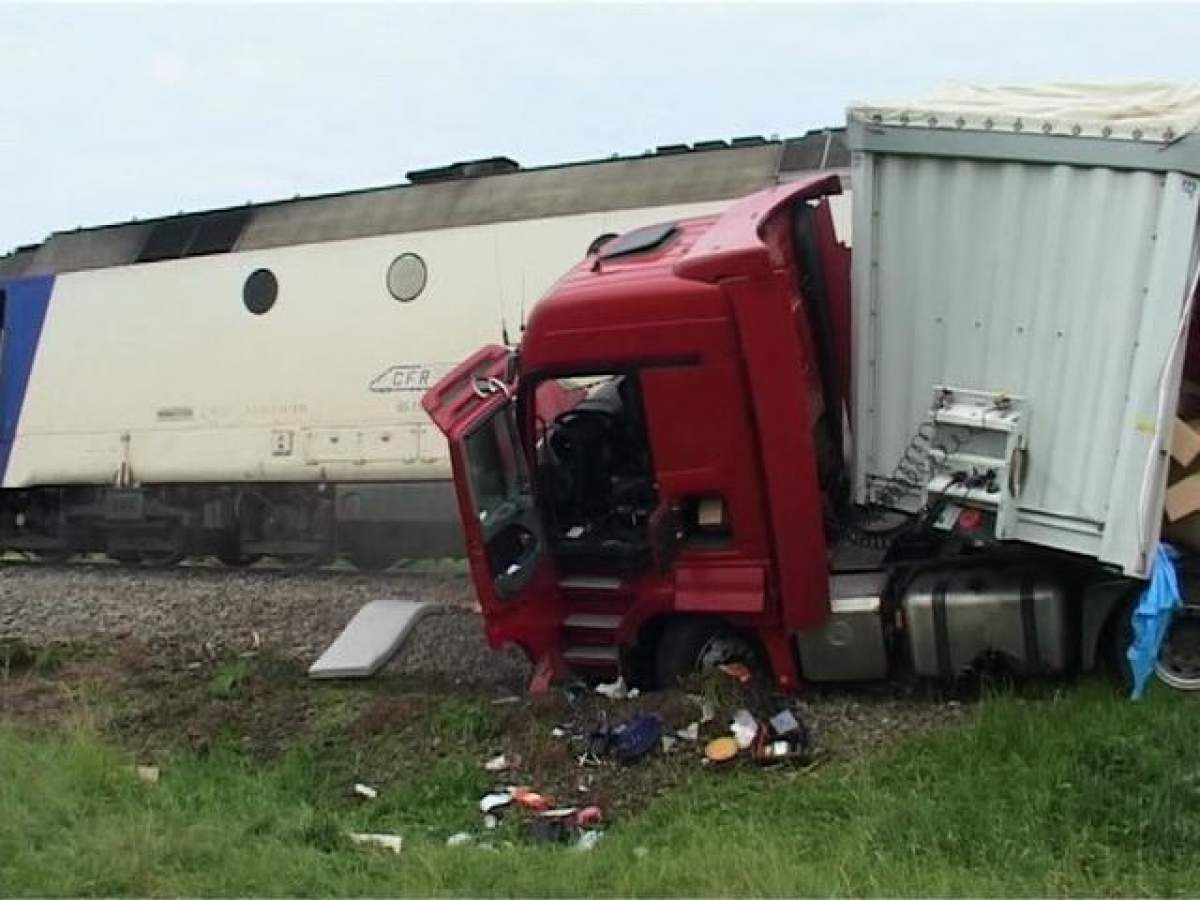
column 199, row 613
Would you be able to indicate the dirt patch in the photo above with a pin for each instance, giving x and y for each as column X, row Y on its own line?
column 156, row 700
column 33, row 702
column 549, row 740
column 389, row 715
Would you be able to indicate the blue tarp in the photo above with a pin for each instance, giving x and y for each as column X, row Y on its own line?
column 1152, row 616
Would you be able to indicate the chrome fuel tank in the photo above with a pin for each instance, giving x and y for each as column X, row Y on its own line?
column 955, row 618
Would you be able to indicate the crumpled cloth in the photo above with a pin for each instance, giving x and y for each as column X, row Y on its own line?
column 1152, row 617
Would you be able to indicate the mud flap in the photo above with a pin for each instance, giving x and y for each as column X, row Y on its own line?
column 370, row 639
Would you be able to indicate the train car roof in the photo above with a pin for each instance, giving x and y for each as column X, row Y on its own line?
column 467, row 193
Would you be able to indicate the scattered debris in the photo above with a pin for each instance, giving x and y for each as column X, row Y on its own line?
column 721, row 750
column 589, row 816
column 767, row 752
column 495, row 800
column 148, row 774
column 691, row 733
column 460, row 839
column 793, row 741
column 560, row 812
column 574, row 691
column 543, row 670
column 548, row 831
column 744, row 728
column 531, row 800
column 635, row 738
column 614, row 690
column 496, row 763
column 491, row 821
column 708, row 712
column 558, row 732
column 391, row 842
column 739, row 672
column 588, row 840
column 785, row 722
column 502, row 701
column 668, row 743
column 366, row 791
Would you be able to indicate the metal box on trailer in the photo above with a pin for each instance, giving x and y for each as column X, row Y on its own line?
column 1040, row 246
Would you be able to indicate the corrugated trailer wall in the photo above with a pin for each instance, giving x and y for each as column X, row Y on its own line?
column 1063, row 284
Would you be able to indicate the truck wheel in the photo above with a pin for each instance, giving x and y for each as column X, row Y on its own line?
column 699, row 645
column 1115, row 638
column 1179, row 660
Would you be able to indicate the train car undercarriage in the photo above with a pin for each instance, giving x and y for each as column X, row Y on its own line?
column 304, row 525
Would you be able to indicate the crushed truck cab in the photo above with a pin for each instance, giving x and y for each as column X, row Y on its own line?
column 612, row 475
column 709, row 447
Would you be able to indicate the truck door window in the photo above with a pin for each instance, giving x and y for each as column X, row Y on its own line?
column 497, row 478
column 503, row 503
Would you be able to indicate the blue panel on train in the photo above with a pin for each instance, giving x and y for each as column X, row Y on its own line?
column 26, row 302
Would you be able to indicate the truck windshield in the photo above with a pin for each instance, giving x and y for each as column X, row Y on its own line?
column 497, row 471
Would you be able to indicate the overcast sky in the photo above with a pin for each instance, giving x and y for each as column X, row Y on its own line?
column 109, row 112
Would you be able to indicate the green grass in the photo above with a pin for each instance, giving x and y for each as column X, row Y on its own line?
column 227, row 681
column 17, row 656
column 1080, row 794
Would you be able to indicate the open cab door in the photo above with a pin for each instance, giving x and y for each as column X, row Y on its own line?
column 515, row 578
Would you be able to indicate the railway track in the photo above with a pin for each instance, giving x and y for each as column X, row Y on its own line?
column 338, row 567
column 203, row 611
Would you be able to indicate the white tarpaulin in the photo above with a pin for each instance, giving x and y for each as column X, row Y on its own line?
column 1152, row 111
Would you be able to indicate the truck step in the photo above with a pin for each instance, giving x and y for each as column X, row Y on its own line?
column 589, row 655
column 592, row 621
column 590, row 583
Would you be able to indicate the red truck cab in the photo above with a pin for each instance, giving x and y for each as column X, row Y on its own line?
column 636, row 486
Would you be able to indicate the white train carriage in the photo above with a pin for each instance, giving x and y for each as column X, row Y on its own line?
column 246, row 381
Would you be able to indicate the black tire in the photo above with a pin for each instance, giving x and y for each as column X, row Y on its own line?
column 1118, row 632
column 1179, row 661
column 687, row 647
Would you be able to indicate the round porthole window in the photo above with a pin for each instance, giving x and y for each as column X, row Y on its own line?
column 260, row 290
column 406, row 277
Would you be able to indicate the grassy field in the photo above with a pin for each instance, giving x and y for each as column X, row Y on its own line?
column 1077, row 792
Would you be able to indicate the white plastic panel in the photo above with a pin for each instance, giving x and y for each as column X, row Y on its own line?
column 1060, row 284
